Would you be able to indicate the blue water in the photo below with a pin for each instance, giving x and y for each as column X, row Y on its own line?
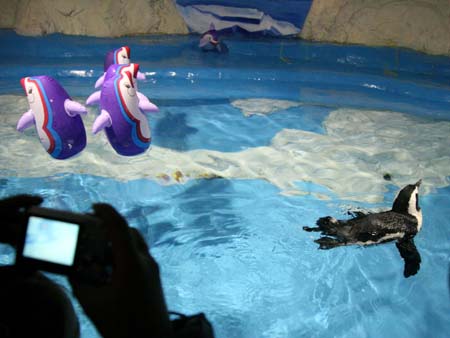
column 233, row 246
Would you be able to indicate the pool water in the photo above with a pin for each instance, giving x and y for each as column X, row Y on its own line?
column 247, row 149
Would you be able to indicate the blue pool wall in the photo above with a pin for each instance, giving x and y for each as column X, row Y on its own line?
column 388, row 60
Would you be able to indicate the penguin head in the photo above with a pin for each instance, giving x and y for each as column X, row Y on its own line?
column 407, row 202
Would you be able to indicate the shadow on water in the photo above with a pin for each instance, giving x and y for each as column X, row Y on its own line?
column 172, row 131
column 203, row 216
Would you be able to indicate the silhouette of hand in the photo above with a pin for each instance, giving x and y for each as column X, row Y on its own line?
column 133, row 304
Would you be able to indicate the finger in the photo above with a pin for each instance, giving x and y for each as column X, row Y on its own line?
column 20, row 201
column 119, row 231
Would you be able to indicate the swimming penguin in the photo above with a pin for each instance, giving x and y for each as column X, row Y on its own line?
column 400, row 224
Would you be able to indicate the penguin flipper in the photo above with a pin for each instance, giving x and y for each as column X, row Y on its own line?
column 410, row 255
column 326, row 243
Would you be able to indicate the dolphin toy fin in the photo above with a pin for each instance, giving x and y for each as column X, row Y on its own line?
column 101, row 122
column 73, row 108
column 145, row 105
column 25, row 121
column 100, row 80
column 94, row 98
column 140, row 76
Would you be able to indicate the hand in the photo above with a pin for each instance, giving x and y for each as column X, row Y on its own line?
column 13, row 219
column 133, row 304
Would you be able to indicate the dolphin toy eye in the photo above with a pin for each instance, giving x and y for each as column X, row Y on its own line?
column 131, row 91
column 30, row 90
column 127, row 85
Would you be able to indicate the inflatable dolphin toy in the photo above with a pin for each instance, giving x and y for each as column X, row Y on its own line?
column 55, row 116
column 126, row 127
column 209, row 41
column 120, row 56
column 144, row 103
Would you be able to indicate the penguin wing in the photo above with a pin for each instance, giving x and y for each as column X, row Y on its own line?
column 410, row 255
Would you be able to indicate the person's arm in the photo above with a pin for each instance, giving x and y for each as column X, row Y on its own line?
column 133, row 304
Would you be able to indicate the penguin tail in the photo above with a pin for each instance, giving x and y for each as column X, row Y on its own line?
column 326, row 243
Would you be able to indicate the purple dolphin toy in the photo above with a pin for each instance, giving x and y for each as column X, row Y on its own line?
column 120, row 56
column 144, row 103
column 126, row 127
column 209, row 41
column 56, row 117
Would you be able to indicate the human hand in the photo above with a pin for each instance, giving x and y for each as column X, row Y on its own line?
column 12, row 219
column 133, row 304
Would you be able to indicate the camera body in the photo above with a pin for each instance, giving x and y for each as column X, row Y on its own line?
column 66, row 243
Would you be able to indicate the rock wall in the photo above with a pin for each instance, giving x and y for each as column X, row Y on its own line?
column 106, row 18
column 423, row 25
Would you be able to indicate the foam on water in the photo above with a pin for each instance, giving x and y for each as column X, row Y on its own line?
column 358, row 148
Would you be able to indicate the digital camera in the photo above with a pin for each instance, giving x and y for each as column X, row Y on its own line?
column 66, row 243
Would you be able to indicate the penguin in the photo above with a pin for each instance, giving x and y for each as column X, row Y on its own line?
column 399, row 224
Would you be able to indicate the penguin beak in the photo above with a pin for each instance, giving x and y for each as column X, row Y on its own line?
column 418, row 183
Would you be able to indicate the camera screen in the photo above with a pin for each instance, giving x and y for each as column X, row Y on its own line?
column 51, row 240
